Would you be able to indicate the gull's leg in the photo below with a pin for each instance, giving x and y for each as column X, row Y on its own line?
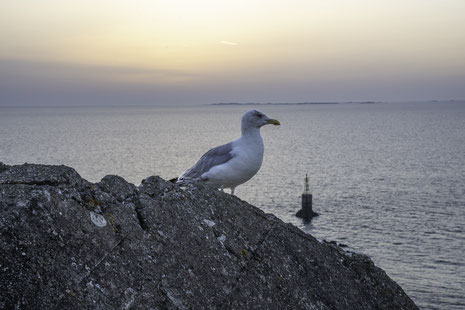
column 232, row 190
column 222, row 188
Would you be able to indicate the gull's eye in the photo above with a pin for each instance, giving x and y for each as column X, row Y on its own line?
column 259, row 115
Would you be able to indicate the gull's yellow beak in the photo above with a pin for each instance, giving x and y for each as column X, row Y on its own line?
column 273, row 121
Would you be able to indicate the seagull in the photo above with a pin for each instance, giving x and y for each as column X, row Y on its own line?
column 234, row 163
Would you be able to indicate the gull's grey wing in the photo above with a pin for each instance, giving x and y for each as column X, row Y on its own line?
column 216, row 156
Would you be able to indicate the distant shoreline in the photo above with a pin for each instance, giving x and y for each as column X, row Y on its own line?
column 332, row 102
column 181, row 105
column 291, row 103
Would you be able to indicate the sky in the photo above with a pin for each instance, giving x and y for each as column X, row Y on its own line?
column 206, row 51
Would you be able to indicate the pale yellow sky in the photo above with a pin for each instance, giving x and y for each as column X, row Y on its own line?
column 188, row 44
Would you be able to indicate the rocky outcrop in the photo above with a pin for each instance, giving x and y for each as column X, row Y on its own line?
column 70, row 244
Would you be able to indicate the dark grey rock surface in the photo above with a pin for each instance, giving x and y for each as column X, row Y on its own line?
column 70, row 244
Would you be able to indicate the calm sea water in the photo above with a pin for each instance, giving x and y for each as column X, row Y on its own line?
column 388, row 179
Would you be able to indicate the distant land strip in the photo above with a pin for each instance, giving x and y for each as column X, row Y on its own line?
column 289, row 103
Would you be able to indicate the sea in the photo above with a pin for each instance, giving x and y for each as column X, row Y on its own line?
column 387, row 178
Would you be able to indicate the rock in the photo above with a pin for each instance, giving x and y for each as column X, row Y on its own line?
column 3, row 167
column 70, row 244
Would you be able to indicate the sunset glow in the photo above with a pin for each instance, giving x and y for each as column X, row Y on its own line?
column 204, row 51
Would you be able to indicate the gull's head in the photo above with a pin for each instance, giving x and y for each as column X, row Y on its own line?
column 256, row 119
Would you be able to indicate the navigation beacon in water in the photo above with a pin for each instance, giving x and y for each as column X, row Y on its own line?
column 306, row 212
